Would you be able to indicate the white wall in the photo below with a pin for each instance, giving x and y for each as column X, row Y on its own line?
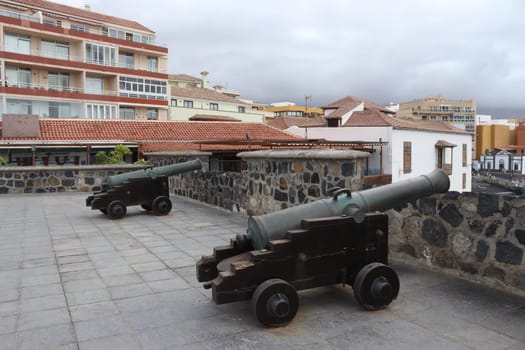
column 424, row 156
column 424, row 152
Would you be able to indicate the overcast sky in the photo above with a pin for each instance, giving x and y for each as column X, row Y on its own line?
column 381, row 50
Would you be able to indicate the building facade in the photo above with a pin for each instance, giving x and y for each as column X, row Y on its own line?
column 290, row 109
column 461, row 113
column 59, row 61
column 192, row 99
column 400, row 148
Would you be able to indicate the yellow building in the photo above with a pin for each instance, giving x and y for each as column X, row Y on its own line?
column 458, row 112
column 58, row 61
column 292, row 110
column 492, row 136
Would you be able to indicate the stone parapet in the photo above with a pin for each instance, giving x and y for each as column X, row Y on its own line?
column 480, row 237
column 42, row 179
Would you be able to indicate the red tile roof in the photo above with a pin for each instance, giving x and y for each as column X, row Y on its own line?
column 153, row 135
column 48, row 6
column 284, row 123
column 341, row 111
column 351, row 100
column 372, row 118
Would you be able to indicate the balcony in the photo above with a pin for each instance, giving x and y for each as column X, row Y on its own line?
column 78, row 62
column 78, row 93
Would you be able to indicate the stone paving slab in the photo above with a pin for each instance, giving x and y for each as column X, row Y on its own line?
column 72, row 279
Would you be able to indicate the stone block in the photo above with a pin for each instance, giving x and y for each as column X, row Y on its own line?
column 434, row 233
column 508, row 253
column 451, row 214
column 482, row 250
column 488, row 204
column 520, row 236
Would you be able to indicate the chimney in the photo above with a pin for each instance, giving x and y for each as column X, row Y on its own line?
column 204, row 76
column 87, row 7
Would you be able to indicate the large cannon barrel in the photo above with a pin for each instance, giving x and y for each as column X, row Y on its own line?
column 167, row 170
column 264, row 228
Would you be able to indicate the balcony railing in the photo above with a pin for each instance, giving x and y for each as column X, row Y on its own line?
column 78, row 90
column 68, row 89
column 71, row 58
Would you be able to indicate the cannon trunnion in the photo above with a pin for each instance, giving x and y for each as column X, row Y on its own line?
column 343, row 239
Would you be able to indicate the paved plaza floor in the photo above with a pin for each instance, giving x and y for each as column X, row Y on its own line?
column 72, row 279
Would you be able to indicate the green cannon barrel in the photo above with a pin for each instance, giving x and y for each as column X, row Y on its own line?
column 166, row 170
column 264, row 228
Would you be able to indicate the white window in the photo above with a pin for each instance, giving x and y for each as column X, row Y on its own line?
column 214, row 106
column 19, row 77
column 59, row 110
column 19, row 107
column 188, row 104
column 142, row 88
column 18, row 43
column 153, row 114
column 173, row 102
column 95, row 85
column 55, row 49
column 58, row 81
column 80, row 28
column 153, row 64
column 127, row 113
column 126, row 60
column 99, row 54
column 241, row 109
column 101, row 111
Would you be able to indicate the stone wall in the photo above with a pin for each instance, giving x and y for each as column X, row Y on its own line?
column 41, row 179
column 480, row 237
column 273, row 179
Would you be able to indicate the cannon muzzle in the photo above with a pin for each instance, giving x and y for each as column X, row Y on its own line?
column 166, row 170
column 264, row 228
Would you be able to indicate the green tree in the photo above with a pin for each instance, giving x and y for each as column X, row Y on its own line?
column 112, row 157
column 2, row 161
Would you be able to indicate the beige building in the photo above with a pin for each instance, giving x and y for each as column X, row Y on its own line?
column 461, row 113
column 192, row 99
column 59, row 61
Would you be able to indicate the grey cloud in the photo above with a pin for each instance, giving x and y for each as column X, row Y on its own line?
column 381, row 50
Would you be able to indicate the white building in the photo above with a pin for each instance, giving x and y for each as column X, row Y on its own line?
column 409, row 148
column 503, row 161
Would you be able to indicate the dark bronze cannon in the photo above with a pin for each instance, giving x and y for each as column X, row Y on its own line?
column 147, row 187
column 341, row 239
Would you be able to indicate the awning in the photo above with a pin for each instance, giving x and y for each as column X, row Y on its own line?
column 443, row 144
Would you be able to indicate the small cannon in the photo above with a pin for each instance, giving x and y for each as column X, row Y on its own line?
column 341, row 239
column 147, row 187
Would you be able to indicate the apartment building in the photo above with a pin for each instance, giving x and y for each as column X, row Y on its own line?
column 461, row 113
column 191, row 98
column 59, row 61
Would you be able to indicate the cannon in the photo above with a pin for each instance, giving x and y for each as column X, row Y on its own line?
column 147, row 187
column 340, row 239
